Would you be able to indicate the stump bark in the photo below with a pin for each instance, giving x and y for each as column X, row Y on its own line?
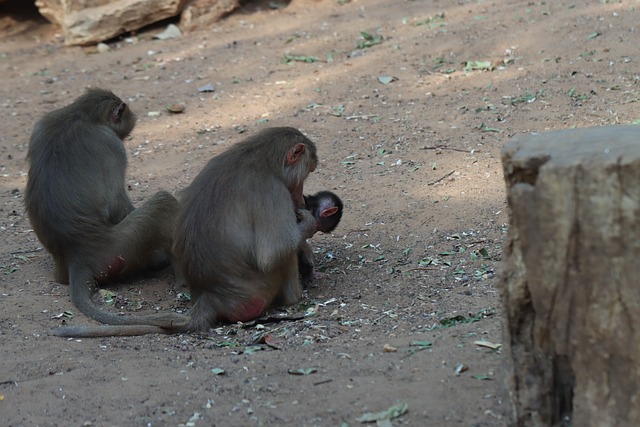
column 571, row 281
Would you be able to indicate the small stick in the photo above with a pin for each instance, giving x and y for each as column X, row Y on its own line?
column 444, row 147
column 476, row 241
column 440, row 179
column 25, row 251
column 360, row 230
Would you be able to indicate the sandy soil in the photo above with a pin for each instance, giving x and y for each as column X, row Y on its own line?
column 409, row 134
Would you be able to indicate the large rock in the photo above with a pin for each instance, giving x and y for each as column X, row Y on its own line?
column 92, row 21
column 200, row 14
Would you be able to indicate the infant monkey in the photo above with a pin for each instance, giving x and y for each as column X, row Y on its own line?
column 326, row 208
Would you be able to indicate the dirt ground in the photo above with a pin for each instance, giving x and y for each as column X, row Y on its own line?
column 409, row 129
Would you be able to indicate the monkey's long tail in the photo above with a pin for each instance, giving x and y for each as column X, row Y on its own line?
column 96, row 331
column 80, row 286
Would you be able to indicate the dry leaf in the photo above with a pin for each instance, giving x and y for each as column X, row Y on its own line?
column 461, row 368
column 488, row 344
column 389, row 349
column 175, row 108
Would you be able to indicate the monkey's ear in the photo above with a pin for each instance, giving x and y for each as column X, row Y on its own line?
column 294, row 154
column 328, row 212
column 118, row 112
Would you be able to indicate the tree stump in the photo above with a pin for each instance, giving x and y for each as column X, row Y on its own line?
column 571, row 281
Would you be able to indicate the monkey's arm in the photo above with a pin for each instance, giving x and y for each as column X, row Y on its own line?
column 306, row 223
column 276, row 240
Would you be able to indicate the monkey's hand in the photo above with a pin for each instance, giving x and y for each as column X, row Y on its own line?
column 306, row 223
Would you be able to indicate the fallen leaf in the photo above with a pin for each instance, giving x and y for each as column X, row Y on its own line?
column 484, row 128
column 422, row 344
column 461, row 368
column 206, row 88
column 368, row 40
column 183, row 296
column 389, row 349
column 109, row 297
column 385, row 80
column 594, row 35
column 68, row 314
column 251, row 350
column 217, row 371
column 482, row 377
column 393, row 412
column 329, row 301
column 478, row 65
column 270, row 341
column 299, row 58
column 302, row 371
column 488, row 344
column 175, row 108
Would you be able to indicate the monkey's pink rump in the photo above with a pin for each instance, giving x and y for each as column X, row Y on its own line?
column 248, row 310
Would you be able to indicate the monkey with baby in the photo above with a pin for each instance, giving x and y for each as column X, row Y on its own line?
column 237, row 237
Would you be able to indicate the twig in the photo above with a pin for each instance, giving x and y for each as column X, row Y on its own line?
column 476, row 241
column 444, row 147
column 360, row 230
column 440, row 179
column 10, row 382
column 422, row 269
column 25, row 251
column 362, row 116
column 323, row 382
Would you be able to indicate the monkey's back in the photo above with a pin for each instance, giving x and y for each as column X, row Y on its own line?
column 76, row 172
column 230, row 212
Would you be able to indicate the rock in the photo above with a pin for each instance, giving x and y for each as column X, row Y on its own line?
column 103, row 47
column 200, row 14
column 91, row 21
column 171, row 32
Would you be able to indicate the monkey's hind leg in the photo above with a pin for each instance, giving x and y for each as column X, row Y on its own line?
column 61, row 271
column 203, row 311
column 143, row 238
column 288, row 282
